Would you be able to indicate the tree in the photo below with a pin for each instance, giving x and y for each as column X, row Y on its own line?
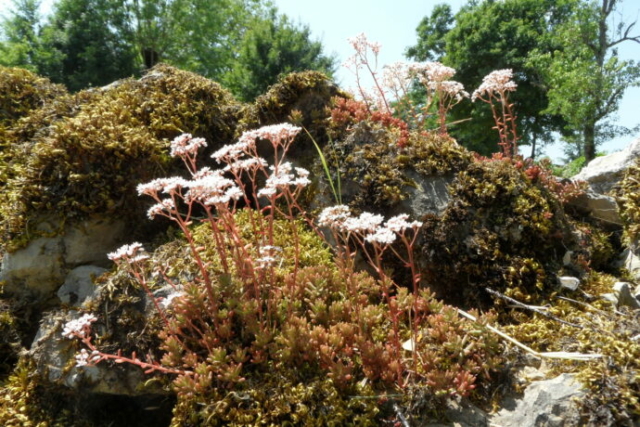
column 431, row 34
column 586, row 79
column 87, row 35
column 490, row 35
column 20, row 35
column 271, row 47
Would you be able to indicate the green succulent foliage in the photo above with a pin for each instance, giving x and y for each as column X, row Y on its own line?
column 94, row 153
column 501, row 230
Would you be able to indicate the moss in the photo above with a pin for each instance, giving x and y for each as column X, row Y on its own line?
column 613, row 382
column 301, row 98
column 95, row 153
column 376, row 173
column 501, row 230
column 281, row 402
column 628, row 196
column 22, row 92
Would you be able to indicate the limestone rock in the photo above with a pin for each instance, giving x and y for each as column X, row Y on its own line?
column 55, row 359
column 631, row 261
column 549, row 403
column 623, row 295
column 604, row 172
column 91, row 240
column 78, row 288
column 600, row 207
column 38, row 268
column 429, row 196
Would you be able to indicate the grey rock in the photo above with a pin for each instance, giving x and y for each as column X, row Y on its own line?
column 89, row 241
column 429, row 196
column 630, row 261
column 550, row 403
column 36, row 269
column 602, row 173
column 599, row 206
column 78, row 288
column 623, row 295
column 55, row 360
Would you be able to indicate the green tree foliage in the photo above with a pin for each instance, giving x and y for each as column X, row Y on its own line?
column 94, row 42
column 563, row 54
column 585, row 76
column 274, row 46
column 87, row 38
column 20, row 35
column 486, row 36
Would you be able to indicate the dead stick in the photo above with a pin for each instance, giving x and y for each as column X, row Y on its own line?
column 528, row 307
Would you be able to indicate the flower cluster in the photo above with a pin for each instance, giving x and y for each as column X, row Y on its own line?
column 367, row 224
column 84, row 358
column 499, row 82
column 283, row 177
column 185, row 145
column 131, row 253
column 80, row 327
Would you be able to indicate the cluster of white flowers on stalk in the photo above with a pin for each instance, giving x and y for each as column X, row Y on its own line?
column 80, row 327
column 453, row 89
column 185, row 145
column 213, row 189
column 367, row 224
column 85, row 358
column 131, row 253
column 432, row 72
column 269, row 255
column 165, row 185
column 499, row 81
column 275, row 133
column 283, row 177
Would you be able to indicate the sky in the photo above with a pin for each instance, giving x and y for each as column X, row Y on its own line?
column 393, row 24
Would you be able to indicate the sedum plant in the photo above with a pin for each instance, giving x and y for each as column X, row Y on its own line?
column 259, row 307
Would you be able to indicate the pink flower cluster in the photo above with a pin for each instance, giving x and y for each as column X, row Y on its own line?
column 499, row 81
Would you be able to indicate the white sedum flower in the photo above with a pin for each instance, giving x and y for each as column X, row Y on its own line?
column 79, row 327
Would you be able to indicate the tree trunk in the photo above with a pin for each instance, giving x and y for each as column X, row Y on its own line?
column 589, row 142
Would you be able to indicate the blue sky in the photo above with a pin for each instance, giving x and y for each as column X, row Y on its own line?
column 393, row 23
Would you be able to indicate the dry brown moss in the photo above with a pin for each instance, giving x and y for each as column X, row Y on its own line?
column 613, row 381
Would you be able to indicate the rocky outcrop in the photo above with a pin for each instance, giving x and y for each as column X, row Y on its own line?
column 41, row 267
column 602, row 173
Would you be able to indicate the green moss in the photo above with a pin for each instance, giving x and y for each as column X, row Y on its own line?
column 613, row 382
column 96, row 152
column 501, row 230
column 372, row 162
column 628, row 196
column 21, row 92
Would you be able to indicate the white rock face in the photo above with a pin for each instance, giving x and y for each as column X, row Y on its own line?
column 604, row 172
column 41, row 267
